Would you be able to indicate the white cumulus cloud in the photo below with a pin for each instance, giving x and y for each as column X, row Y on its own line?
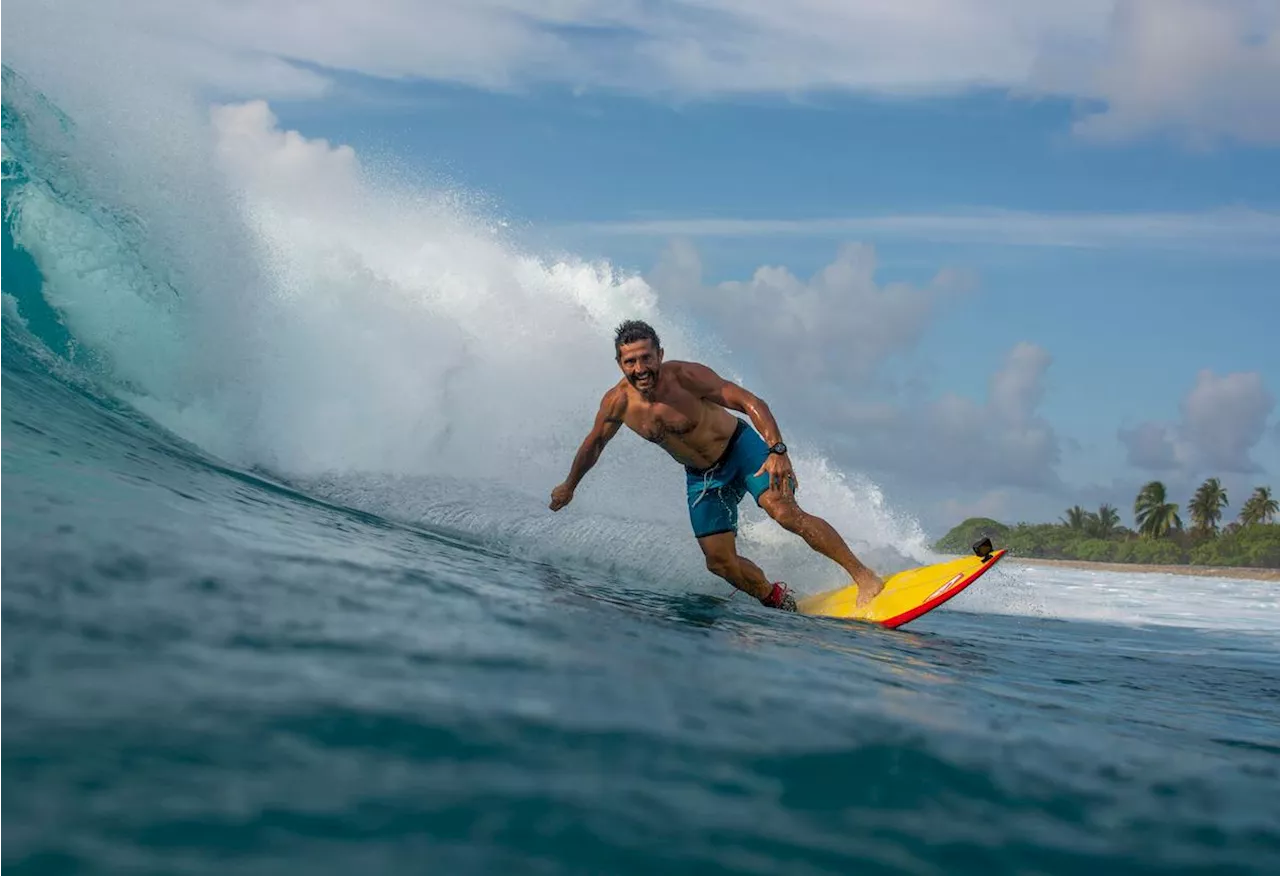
column 835, row 327
column 1223, row 418
column 1002, row 440
column 957, row 457
column 1202, row 69
column 1205, row 68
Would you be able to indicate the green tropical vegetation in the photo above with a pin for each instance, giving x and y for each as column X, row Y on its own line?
column 1158, row 536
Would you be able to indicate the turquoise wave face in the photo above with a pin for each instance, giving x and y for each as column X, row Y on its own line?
column 22, row 280
column 61, row 247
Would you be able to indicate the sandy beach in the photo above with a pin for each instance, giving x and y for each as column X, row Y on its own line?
column 1201, row 571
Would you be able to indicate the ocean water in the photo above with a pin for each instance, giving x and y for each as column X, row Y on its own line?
column 282, row 594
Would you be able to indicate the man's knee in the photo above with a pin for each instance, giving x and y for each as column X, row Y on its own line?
column 787, row 514
column 723, row 565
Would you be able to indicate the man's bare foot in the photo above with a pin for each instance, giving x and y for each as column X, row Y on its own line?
column 869, row 587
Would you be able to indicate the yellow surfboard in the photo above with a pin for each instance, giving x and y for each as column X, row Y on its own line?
column 908, row 594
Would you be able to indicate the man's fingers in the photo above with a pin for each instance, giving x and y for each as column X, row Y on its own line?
column 787, row 482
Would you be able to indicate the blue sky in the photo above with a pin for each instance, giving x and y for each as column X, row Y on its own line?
column 1072, row 210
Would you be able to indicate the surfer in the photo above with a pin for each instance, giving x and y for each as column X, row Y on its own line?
column 684, row 407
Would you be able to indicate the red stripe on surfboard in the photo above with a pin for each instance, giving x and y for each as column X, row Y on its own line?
column 899, row 620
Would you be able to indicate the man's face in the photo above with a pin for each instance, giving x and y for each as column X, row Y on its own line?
column 640, row 362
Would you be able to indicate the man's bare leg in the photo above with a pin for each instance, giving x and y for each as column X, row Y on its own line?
column 823, row 538
column 722, row 557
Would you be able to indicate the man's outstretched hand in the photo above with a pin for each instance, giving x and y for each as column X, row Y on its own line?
column 781, row 475
column 561, row 496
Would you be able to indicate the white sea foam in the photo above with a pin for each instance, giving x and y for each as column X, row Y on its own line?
column 284, row 306
column 1023, row 587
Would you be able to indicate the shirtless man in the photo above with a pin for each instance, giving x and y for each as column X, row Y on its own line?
column 684, row 408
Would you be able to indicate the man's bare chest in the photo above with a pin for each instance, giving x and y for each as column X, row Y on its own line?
column 657, row 421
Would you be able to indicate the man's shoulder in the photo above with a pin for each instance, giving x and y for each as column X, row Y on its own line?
column 685, row 368
column 614, row 400
column 693, row 374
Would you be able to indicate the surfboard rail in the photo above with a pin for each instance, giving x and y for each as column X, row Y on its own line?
column 945, row 594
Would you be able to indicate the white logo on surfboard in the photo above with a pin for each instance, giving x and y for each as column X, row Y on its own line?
column 945, row 587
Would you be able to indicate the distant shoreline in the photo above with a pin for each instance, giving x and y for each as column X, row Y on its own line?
column 1178, row 569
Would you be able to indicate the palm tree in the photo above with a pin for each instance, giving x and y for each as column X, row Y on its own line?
column 1077, row 518
column 1106, row 521
column 1207, row 504
column 1259, row 508
column 1154, row 515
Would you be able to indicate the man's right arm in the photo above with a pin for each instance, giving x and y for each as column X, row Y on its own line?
column 608, row 421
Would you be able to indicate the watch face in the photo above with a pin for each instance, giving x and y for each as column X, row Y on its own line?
column 779, row 448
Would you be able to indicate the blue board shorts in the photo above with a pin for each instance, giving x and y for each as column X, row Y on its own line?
column 714, row 492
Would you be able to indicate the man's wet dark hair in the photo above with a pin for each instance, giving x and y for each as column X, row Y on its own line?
column 631, row 331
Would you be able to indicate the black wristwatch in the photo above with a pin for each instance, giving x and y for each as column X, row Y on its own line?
column 778, row 448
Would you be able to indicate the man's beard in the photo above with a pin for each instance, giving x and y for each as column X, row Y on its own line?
column 652, row 373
